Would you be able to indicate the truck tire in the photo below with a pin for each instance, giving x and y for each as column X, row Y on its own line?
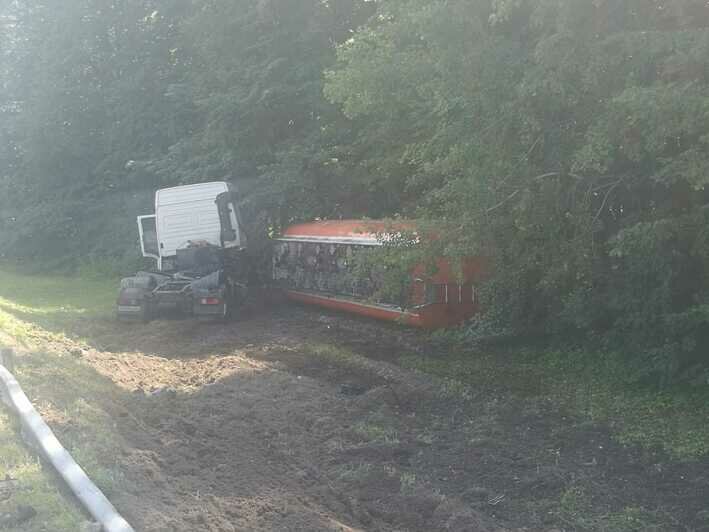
column 229, row 310
column 235, row 301
column 146, row 311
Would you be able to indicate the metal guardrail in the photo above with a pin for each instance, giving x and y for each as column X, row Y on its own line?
column 43, row 440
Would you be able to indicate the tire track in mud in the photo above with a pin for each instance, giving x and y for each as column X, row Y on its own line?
column 243, row 427
column 239, row 430
column 221, row 454
column 194, row 444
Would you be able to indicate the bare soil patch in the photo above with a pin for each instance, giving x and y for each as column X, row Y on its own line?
column 267, row 424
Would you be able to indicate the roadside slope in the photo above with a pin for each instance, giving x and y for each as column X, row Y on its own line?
column 293, row 420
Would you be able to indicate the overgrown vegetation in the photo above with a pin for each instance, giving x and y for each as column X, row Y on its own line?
column 588, row 384
column 566, row 140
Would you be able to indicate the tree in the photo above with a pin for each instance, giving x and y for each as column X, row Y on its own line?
column 88, row 81
column 566, row 140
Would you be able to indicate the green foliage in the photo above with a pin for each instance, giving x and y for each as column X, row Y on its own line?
column 387, row 268
column 35, row 486
column 594, row 385
column 50, row 301
column 102, row 103
column 565, row 140
column 576, row 508
column 602, row 386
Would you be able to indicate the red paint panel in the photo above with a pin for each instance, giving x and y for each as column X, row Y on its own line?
column 363, row 309
column 460, row 305
column 472, row 270
column 428, row 317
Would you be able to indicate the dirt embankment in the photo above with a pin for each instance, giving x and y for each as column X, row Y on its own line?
column 243, row 427
column 265, row 424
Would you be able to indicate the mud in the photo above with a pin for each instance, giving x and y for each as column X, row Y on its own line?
column 249, row 426
column 240, row 430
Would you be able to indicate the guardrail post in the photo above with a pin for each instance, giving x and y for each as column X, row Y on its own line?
column 7, row 358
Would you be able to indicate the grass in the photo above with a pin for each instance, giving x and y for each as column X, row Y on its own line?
column 589, row 385
column 409, row 482
column 576, row 509
column 335, row 355
column 375, row 431
column 51, row 302
column 83, row 427
column 34, row 487
column 673, row 419
column 353, row 472
column 34, row 310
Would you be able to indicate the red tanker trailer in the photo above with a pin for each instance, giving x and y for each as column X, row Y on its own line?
column 314, row 264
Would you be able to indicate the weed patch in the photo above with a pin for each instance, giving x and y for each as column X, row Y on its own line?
column 377, row 433
column 26, row 483
column 673, row 419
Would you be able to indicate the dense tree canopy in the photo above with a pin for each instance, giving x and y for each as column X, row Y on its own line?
column 567, row 140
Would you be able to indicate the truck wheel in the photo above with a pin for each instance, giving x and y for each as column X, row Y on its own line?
column 229, row 309
column 235, row 302
column 146, row 311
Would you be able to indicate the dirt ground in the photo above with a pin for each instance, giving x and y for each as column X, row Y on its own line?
column 266, row 424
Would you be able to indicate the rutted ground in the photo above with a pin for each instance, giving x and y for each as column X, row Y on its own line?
column 298, row 421
column 244, row 427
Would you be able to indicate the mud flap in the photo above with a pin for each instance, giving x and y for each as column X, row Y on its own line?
column 210, row 297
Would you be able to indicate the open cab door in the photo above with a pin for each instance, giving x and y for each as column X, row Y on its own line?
column 232, row 233
column 148, row 236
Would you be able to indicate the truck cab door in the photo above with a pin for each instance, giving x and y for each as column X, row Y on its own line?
column 232, row 233
column 148, row 236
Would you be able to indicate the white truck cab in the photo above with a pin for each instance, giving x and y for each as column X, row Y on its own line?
column 203, row 212
column 198, row 242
